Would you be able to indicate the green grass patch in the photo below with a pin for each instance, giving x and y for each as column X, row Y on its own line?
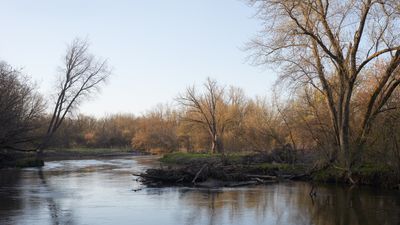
column 184, row 158
column 329, row 175
column 376, row 175
column 369, row 169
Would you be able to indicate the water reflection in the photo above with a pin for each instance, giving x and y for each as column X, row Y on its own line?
column 287, row 203
column 9, row 201
column 100, row 192
column 57, row 215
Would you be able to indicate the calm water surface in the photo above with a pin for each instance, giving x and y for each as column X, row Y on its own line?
column 103, row 192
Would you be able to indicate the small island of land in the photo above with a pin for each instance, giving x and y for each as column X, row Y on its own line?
column 241, row 169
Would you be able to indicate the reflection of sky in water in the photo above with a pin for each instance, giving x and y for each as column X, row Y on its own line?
column 101, row 192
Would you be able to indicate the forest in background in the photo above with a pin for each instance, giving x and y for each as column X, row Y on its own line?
column 298, row 124
column 336, row 99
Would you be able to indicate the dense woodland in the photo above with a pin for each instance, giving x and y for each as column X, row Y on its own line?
column 337, row 97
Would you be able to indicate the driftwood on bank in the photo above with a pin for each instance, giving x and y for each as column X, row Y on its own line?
column 160, row 178
column 209, row 183
column 210, row 175
column 266, row 177
column 198, row 173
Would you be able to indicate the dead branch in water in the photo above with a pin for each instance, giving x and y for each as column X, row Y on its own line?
column 198, row 173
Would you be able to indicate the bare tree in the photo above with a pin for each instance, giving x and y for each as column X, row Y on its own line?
column 329, row 44
column 206, row 109
column 81, row 75
column 21, row 109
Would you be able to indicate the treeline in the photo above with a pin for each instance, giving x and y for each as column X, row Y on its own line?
column 209, row 118
column 219, row 119
column 339, row 73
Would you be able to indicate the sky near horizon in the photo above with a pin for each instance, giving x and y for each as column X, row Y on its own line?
column 156, row 48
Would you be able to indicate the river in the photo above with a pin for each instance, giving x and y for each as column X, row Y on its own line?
column 103, row 191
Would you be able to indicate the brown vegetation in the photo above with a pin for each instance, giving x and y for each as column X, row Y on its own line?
column 338, row 50
column 21, row 109
column 339, row 63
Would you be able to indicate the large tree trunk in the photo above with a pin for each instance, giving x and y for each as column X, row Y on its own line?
column 216, row 144
column 345, row 146
column 213, row 146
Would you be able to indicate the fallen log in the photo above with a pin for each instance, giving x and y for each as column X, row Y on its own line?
column 288, row 177
column 198, row 173
column 265, row 177
column 180, row 179
column 242, row 183
column 158, row 178
column 300, row 176
column 261, row 181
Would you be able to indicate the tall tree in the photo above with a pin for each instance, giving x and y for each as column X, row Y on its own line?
column 207, row 110
column 81, row 75
column 329, row 44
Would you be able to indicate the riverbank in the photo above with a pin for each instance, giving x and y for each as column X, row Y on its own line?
column 29, row 159
column 205, row 170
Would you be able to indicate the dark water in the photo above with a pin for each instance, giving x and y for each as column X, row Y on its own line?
column 102, row 192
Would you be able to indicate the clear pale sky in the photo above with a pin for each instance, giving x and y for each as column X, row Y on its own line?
column 156, row 47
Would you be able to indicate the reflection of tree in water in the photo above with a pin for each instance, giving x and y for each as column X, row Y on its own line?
column 9, row 194
column 344, row 205
column 229, row 206
column 13, row 197
column 289, row 204
column 57, row 215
